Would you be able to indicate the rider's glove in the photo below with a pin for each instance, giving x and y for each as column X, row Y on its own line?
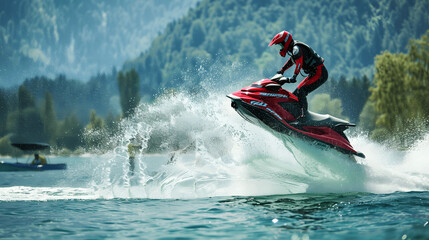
column 292, row 79
column 287, row 80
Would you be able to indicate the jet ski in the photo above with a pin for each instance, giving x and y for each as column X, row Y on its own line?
column 265, row 103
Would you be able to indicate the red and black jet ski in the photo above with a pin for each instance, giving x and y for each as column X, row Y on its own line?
column 266, row 104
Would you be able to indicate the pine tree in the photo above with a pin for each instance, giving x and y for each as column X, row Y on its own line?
column 69, row 134
column 128, row 84
column 198, row 34
column 49, row 119
column 25, row 98
column 30, row 124
column 95, row 122
column 3, row 113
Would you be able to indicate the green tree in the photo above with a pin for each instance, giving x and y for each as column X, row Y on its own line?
column 96, row 136
column 128, row 84
column 95, row 122
column 112, row 123
column 30, row 126
column 70, row 131
column 25, row 98
column 322, row 103
column 368, row 116
column 419, row 74
column 49, row 119
column 391, row 94
column 29, row 123
column 7, row 149
column 3, row 113
column 12, row 122
column 400, row 93
column 198, row 34
column 215, row 44
column 355, row 97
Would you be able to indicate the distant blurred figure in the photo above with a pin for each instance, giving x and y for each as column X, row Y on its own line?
column 134, row 148
column 38, row 160
column 173, row 154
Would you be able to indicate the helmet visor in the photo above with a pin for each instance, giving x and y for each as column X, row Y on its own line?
column 281, row 45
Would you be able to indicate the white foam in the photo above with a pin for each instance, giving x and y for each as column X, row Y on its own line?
column 23, row 193
column 389, row 170
column 234, row 157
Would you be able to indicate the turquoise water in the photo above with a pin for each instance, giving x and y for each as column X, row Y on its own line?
column 71, row 205
column 238, row 181
column 300, row 216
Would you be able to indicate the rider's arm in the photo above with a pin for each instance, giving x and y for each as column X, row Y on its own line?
column 287, row 65
column 42, row 160
column 298, row 58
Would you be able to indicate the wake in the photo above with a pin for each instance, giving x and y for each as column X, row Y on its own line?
column 231, row 157
column 208, row 150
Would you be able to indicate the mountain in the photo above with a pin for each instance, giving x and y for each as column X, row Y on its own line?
column 78, row 38
column 347, row 34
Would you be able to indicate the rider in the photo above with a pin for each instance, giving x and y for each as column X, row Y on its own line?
column 303, row 56
column 134, row 148
column 38, row 160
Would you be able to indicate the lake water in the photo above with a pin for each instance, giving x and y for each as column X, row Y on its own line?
column 238, row 182
column 181, row 201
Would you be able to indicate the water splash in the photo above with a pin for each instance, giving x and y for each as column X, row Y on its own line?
column 208, row 150
column 23, row 193
column 389, row 170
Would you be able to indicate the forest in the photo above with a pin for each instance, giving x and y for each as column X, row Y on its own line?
column 376, row 53
column 347, row 34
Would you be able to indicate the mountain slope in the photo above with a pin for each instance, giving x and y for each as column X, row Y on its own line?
column 348, row 34
column 77, row 38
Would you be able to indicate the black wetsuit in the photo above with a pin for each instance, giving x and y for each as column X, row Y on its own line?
column 306, row 58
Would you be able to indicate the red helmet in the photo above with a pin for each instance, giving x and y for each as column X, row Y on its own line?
column 285, row 39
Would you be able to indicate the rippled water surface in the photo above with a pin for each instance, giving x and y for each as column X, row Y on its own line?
column 222, row 178
column 67, row 204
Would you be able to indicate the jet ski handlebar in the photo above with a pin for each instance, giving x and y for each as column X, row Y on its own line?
column 280, row 79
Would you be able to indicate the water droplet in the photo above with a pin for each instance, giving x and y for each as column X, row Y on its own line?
column 275, row 220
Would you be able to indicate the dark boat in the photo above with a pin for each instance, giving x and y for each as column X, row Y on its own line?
column 10, row 167
column 30, row 147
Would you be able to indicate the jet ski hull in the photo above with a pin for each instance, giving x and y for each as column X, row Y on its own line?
column 263, row 116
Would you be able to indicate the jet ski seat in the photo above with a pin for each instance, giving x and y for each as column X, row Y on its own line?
column 324, row 120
